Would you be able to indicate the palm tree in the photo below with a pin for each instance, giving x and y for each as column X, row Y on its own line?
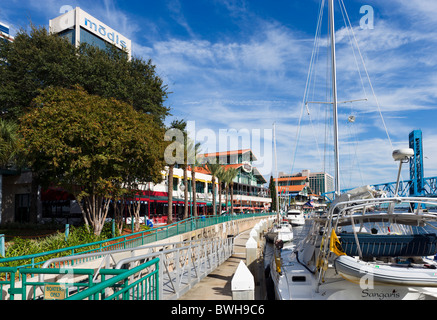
column 170, row 193
column 215, row 170
column 220, row 177
column 226, row 181
column 231, row 175
column 180, row 125
column 193, row 151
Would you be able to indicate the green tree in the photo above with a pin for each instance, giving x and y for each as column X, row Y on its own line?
column 96, row 148
column 8, row 144
column 175, row 125
column 221, row 176
column 272, row 188
column 231, row 174
column 38, row 59
column 193, row 150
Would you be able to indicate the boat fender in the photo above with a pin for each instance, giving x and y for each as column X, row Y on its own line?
column 279, row 244
column 430, row 266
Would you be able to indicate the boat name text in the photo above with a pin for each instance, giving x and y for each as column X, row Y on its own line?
column 380, row 295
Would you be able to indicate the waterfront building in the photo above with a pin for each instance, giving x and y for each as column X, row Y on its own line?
column 249, row 195
column 321, row 182
column 5, row 33
column 303, row 189
column 250, row 192
column 317, row 182
column 80, row 27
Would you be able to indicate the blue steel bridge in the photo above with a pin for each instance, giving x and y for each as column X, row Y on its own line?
column 405, row 189
column 417, row 185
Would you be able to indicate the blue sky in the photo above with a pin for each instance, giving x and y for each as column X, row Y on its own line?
column 242, row 65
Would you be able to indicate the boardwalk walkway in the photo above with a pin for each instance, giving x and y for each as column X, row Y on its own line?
column 217, row 285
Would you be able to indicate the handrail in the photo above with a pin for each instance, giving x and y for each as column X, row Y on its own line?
column 351, row 205
column 181, row 264
column 112, row 281
column 190, row 224
column 47, row 263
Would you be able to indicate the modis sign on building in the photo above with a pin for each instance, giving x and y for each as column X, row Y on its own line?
column 79, row 27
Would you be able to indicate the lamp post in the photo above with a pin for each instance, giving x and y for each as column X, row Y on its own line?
column 182, row 188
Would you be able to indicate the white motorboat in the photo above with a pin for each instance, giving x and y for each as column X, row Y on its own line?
column 281, row 231
column 295, row 217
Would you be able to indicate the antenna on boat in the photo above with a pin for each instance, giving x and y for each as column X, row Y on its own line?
column 403, row 156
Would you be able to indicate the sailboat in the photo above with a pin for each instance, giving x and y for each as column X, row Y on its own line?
column 282, row 230
column 367, row 246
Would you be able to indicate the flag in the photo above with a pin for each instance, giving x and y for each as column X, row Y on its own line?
column 335, row 245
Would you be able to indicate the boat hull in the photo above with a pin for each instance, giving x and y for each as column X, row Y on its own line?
column 358, row 271
column 298, row 221
column 270, row 236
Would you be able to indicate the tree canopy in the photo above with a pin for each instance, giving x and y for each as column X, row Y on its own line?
column 38, row 59
column 91, row 146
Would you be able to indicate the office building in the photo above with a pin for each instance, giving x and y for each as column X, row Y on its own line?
column 306, row 182
column 80, row 27
column 5, row 32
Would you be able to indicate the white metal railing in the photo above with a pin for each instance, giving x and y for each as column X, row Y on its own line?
column 181, row 268
column 181, row 265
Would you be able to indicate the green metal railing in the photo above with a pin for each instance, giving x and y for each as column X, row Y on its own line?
column 146, row 287
column 80, row 284
column 7, row 279
column 127, row 241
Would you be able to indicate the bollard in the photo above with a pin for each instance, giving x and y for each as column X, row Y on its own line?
column 67, row 231
column 2, row 245
column 243, row 283
column 251, row 252
column 254, row 234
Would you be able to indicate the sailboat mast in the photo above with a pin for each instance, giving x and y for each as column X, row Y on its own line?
column 334, row 96
column 276, row 167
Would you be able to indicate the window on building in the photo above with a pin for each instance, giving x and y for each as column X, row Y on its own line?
column 22, row 207
column 69, row 34
column 200, row 187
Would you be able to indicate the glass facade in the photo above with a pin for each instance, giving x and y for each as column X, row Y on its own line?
column 70, row 35
column 4, row 28
column 4, row 33
column 321, row 183
column 91, row 39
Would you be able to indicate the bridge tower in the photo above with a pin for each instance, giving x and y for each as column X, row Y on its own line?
column 416, row 164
